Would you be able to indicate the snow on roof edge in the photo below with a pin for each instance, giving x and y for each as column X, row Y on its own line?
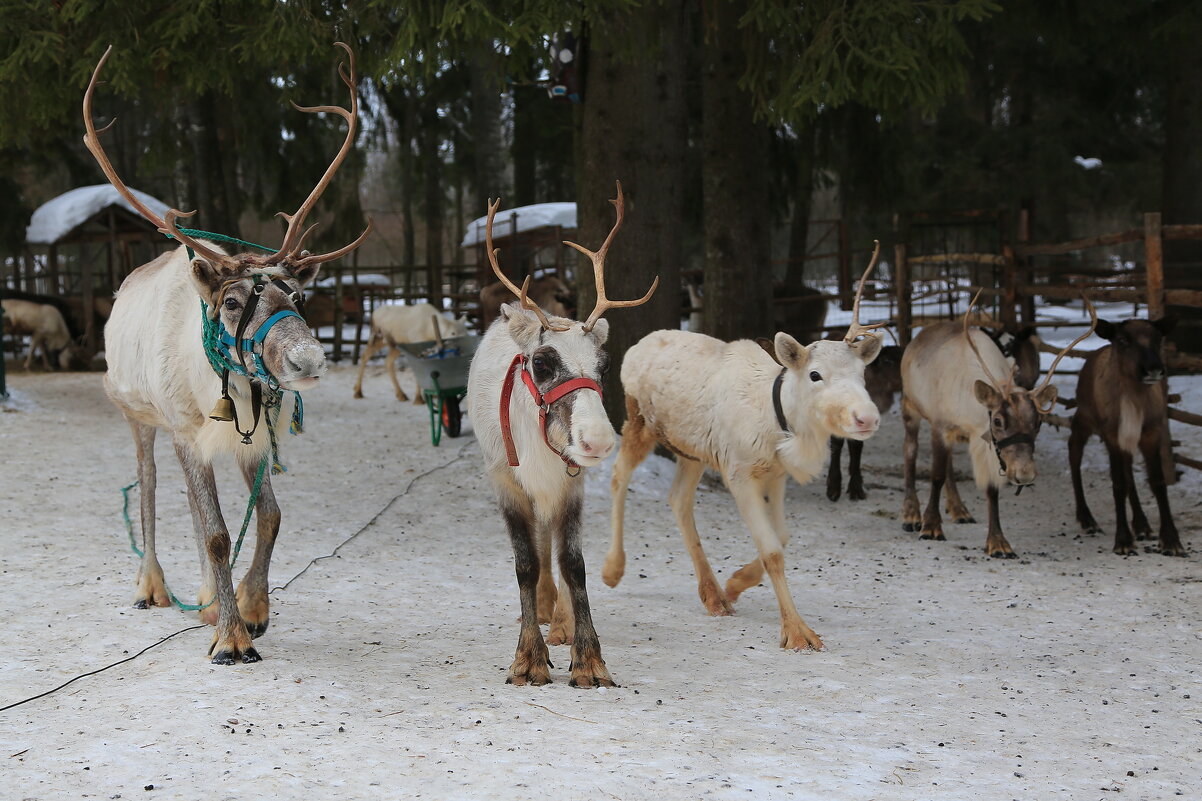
column 56, row 218
column 537, row 215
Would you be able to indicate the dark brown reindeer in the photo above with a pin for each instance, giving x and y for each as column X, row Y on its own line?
column 548, row 292
column 160, row 376
column 1121, row 398
column 535, row 400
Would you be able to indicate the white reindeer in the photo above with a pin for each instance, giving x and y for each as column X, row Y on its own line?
column 949, row 378
column 160, row 376
column 535, row 401
column 729, row 406
column 393, row 324
column 46, row 328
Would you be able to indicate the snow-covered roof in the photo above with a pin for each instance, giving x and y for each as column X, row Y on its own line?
column 348, row 279
column 56, row 218
column 538, row 215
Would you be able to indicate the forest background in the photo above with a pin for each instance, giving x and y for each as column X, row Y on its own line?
column 726, row 121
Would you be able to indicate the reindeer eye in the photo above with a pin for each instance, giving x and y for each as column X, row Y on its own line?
column 815, row 375
column 997, row 421
column 232, row 304
column 537, row 363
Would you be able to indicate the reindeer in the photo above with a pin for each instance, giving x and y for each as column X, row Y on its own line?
column 534, row 451
column 1121, row 398
column 47, row 331
column 731, row 407
column 160, row 376
column 882, row 379
column 394, row 324
column 949, row 379
column 548, row 292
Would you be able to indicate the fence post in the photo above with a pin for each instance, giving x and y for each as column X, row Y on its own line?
column 1009, row 288
column 1154, row 262
column 901, row 281
column 1027, row 304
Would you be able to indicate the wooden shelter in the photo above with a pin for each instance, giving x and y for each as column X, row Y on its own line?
column 82, row 244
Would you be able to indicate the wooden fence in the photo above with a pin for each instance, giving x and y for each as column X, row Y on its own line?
column 1019, row 280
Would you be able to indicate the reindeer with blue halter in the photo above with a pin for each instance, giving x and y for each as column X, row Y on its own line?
column 177, row 338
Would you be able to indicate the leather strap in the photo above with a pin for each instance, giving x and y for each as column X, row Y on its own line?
column 776, row 405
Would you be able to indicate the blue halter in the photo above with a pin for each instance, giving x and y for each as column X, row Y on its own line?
column 254, row 346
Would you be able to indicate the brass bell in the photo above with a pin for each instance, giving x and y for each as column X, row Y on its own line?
column 223, row 411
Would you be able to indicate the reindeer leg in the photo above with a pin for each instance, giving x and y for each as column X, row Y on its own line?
column 231, row 641
column 855, row 478
column 588, row 668
column 253, row 603
column 1139, row 521
column 1149, row 445
column 547, row 594
column 1119, row 468
column 834, row 473
column 1077, row 439
column 390, row 368
column 531, row 661
column 932, row 522
column 152, row 588
column 995, row 542
column 374, row 344
column 637, row 442
column 956, row 509
column 749, row 496
column 752, row 573
column 910, row 420
column 681, row 498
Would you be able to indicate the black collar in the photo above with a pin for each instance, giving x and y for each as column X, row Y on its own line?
column 780, row 412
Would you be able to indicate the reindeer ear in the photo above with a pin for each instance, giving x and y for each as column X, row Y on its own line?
column 523, row 325
column 1045, row 396
column 789, row 352
column 305, row 275
column 601, row 330
column 208, row 278
column 1105, row 329
column 868, row 347
column 987, row 395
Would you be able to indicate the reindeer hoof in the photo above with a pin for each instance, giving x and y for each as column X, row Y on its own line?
column 256, row 630
column 1172, row 550
column 833, row 493
column 910, row 527
column 966, row 519
column 857, row 494
column 933, row 535
column 225, row 657
column 141, row 604
column 1004, row 555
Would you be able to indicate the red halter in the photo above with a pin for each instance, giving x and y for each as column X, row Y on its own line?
column 542, row 401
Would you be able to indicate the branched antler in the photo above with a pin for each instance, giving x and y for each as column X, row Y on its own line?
column 526, row 303
column 1093, row 324
column 855, row 330
column 1000, row 386
column 604, row 304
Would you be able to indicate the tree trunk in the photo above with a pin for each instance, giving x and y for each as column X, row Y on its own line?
column 432, row 207
column 525, row 143
column 799, row 225
column 213, row 149
column 1182, row 186
column 633, row 128
column 738, row 269
column 488, row 152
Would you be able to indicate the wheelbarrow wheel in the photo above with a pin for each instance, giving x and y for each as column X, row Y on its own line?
column 452, row 416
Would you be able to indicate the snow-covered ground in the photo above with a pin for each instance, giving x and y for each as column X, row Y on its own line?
column 1067, row 673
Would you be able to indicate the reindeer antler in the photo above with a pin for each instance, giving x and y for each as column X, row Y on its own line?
column 855, row 330
column 604, row 304
column 1001, row 387
column 92, row 140
column 293, row 238
column 525, row 302
column 1093, row 324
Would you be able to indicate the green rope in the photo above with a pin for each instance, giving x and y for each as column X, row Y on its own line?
column 229, row 240
column 250, row 507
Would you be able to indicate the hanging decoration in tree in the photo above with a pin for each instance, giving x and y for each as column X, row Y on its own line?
column 565, row 82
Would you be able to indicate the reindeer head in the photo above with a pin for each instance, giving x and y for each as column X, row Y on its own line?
column 825, row 383
column 1015, row 413
column 560, row 355
column 247, row 290
column 1138, row 346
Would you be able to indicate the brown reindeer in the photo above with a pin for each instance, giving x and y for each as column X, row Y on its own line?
column 548, row 292
column 1121, row 398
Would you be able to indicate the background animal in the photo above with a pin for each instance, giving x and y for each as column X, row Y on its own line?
column 1121, row 399
column 535, row 401
column 950, row 378
column 548, row 291
column 159, row 375
column 394, row 324
column 732, row 407
column 46, row 328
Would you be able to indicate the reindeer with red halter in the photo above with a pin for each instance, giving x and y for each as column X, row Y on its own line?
column 534, row 396
column 174, row 322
